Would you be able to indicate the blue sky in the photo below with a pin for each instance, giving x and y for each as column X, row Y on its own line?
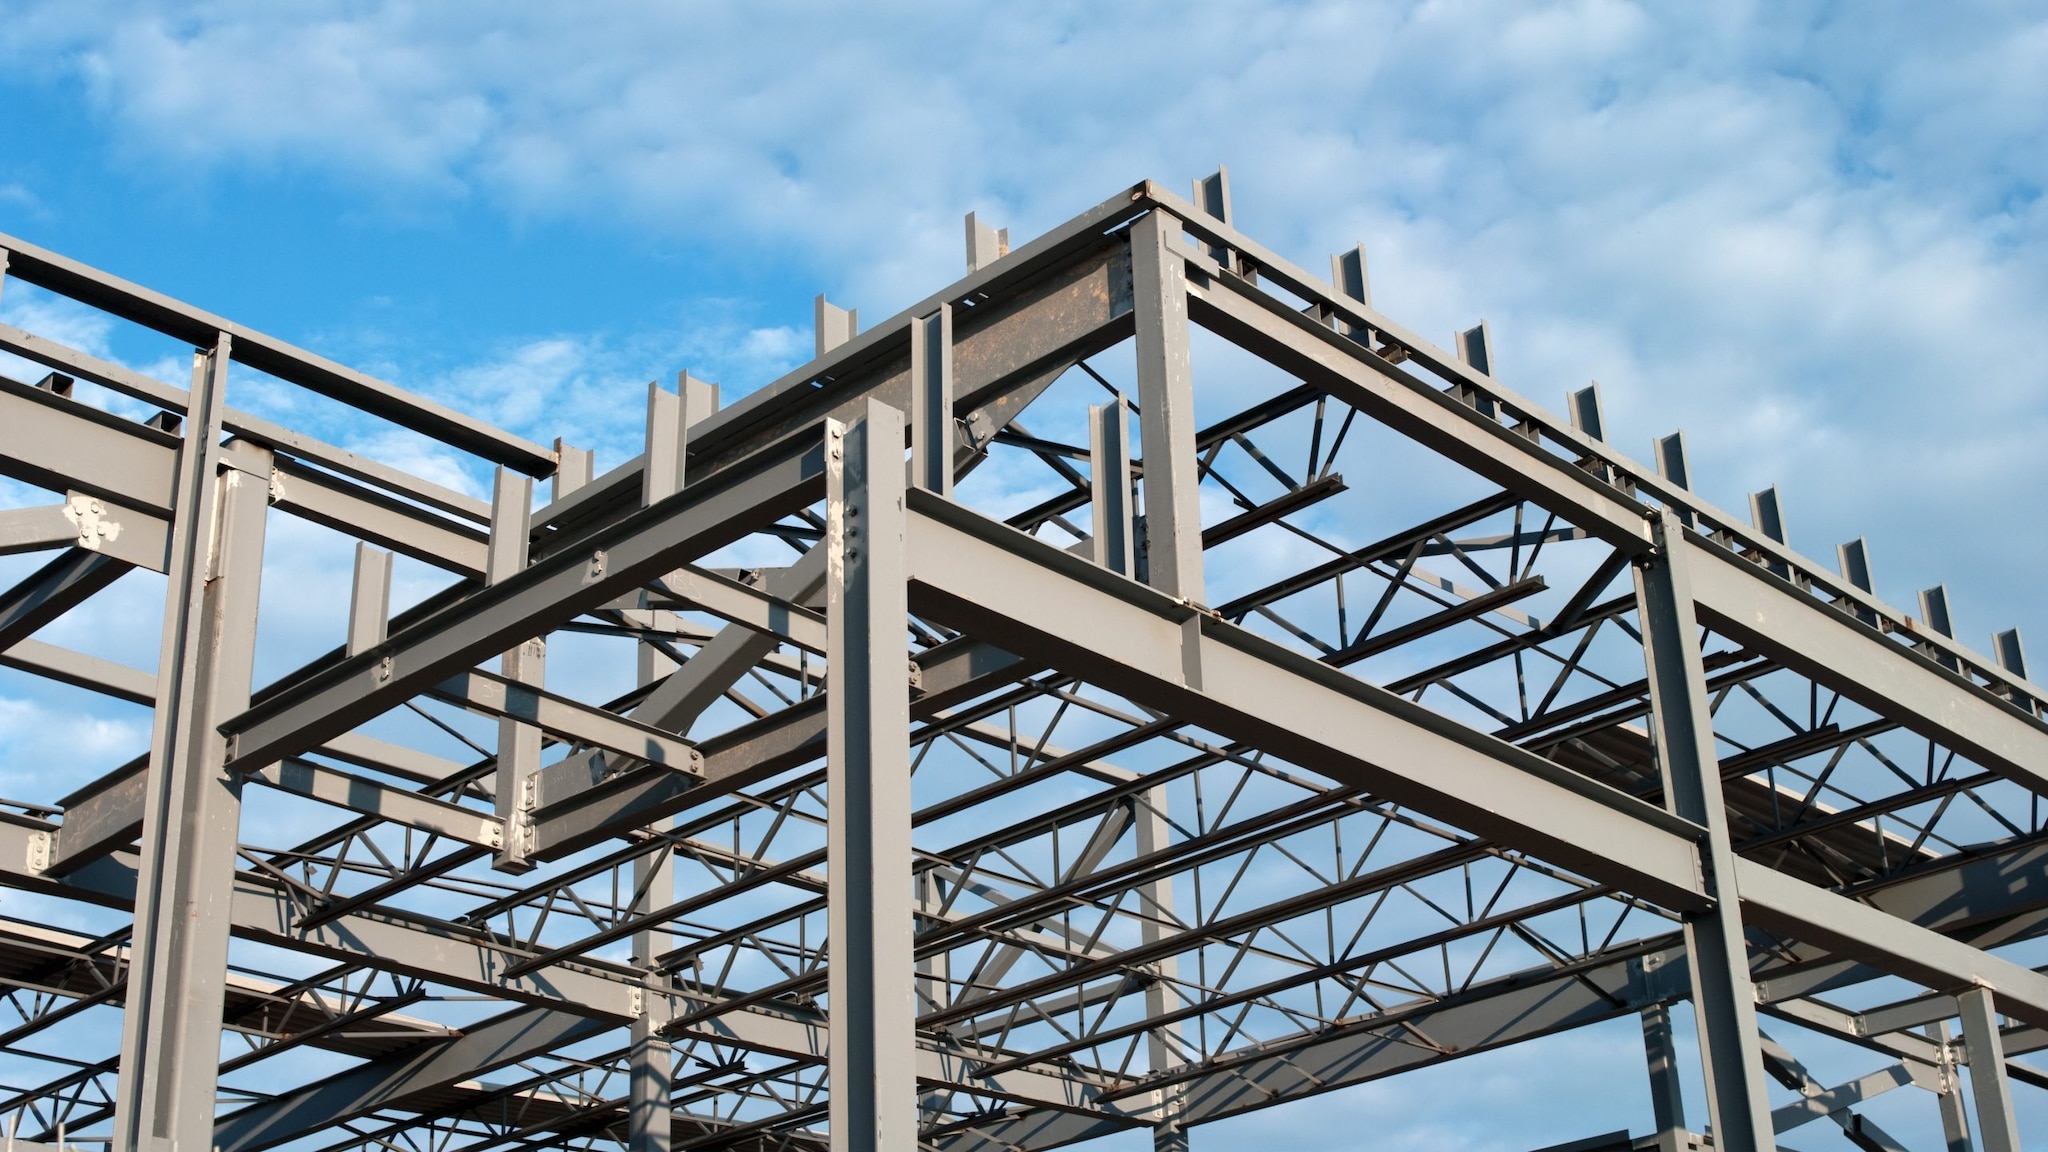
column 1811, row 235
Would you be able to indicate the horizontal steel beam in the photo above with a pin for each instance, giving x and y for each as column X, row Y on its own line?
column 651, row 543
column 1009, row 589
column 150, row 390
column 118, row 297
column 1759, row 611
column 1851, row 928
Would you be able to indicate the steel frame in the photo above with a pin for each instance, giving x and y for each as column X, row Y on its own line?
column 1200, row 803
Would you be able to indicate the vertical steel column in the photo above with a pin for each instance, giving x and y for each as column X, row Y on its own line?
column 873, row 976
column 1173, row 548
column 1988, row 1086
column 651, row 1059
column 1109, row 483
column 170, row 1034
column 1667, row 1101
column 1156, row 914
column 1166, row 409
column 1955, row 1120
column 931, row 401
column 519, row 744
column 1723, row 996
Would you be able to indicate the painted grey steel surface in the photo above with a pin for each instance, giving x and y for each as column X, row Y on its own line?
column 1132, row 815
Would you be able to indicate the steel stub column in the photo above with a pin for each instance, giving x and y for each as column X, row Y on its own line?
column 1724, row 998
column 873, row 974
column 1988, row 1084
column 931, row 401
column 1166, row 409
column 170, row 1036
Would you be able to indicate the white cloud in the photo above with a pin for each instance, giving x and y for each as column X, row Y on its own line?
column 1815, row 240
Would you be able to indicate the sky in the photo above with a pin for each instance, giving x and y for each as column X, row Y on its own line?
column 1811, row 235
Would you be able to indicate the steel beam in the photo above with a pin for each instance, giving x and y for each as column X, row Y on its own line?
column 116, row 296
column 528, row 603
column 1815, row 640
column 991, row 581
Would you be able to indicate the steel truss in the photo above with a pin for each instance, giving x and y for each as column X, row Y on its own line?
column 1194, row 782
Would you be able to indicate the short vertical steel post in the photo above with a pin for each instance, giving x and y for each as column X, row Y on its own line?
column 931, row 401
column 1988, row 1086
column 873, row 975
column 1109, row 483
column 1667, row 1101
column 835, row 325
column 1955, row 1119
column 1724, row 997
column 573, row 467
column 1166, row 402
column 170, row 1036
column 369, row 601
column 519, row 743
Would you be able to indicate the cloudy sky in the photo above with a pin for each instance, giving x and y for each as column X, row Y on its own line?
column 1811, row 235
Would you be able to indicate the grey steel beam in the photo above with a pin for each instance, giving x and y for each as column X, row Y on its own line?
column 148, row 389
column 992, row 582
column 1723, row 996
column 54, row 589
column 103, row 817
column 81, row 671
column 373, row 798
column 35, row 529
column 356, row 511
column 1264, row 325
column 1851, row 928
column 170, row 1041
column 59, row 444
column 390, row 1084
column 521, row 703
column 118, row 297
column 579, row 808
column 873, row 974
column 1817, row 641
column 528, row 603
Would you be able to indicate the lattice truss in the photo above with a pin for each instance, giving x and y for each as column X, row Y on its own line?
column 1229, row 696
